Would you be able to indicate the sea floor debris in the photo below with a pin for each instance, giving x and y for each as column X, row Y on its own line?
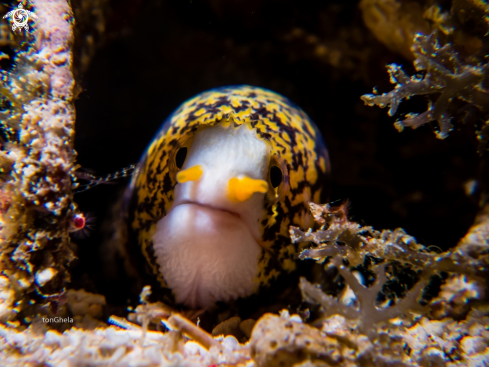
column 451, row 329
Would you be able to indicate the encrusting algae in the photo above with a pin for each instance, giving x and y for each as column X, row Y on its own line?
column 367, row 314
column 37, row 162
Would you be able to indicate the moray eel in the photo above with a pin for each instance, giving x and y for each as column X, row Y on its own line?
column 208, row 210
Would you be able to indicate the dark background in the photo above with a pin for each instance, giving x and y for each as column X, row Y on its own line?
column 156, row 54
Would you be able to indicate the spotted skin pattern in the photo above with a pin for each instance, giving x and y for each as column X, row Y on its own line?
column 295, row 144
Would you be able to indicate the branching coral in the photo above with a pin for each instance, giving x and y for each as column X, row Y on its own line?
column 368, row 314
column 37, row 162
column 341, row 239
column 443, row 71
column 339, row 236
column 445, row 74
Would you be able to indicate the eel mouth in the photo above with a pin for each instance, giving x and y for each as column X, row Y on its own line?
column 211, row 207
column 218, row 210
column 206, row 254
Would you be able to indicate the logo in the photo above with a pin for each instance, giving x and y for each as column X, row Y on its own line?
column 20, row 17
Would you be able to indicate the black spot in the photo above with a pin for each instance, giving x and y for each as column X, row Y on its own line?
column 167, row 183
column 180, row 157
column 275, row 176
column 299, row 160
column 281, row 146
column 266, row 136
column 288, row 205
column 262, row 111
column 244, row 106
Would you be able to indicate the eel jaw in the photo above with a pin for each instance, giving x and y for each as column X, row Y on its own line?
column 206, row 255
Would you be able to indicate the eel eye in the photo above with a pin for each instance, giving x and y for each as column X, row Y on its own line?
column 180, row 157
column 275, row 176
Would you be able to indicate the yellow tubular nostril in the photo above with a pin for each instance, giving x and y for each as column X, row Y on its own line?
column 241, row 189
column 190, row 174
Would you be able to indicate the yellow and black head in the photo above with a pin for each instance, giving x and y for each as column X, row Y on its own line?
column 210, row 205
